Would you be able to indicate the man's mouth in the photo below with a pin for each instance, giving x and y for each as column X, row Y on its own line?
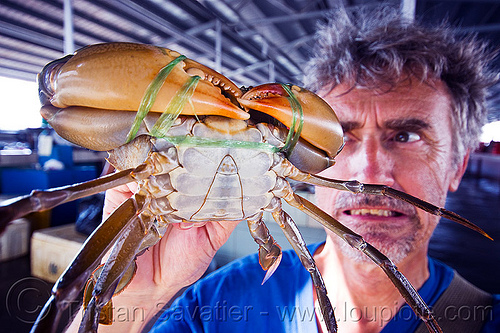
column 372, row 212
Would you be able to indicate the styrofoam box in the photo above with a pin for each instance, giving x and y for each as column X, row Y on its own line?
column 53, row 249
column 15, row 240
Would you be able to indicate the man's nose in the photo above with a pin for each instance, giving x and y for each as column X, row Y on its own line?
column 372, row 163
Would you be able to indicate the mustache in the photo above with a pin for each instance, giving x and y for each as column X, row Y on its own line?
column 348, row 200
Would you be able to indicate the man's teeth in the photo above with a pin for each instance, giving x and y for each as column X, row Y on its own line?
column 373, row 212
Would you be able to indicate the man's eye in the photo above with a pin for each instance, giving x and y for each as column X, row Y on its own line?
column 406, row 137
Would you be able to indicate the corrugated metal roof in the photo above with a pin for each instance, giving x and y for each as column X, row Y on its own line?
column 250, row 41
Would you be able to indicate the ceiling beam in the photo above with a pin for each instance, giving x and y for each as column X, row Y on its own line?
column 69, row 37
column 481, row 28
column 29, row 35
column 198, row 44
column 17, row 74
column 408, row 9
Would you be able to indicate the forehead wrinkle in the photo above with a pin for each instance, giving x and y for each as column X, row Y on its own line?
column 409, row 107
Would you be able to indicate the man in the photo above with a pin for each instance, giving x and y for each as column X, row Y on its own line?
column 411, row 101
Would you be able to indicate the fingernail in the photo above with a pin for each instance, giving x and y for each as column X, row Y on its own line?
column 186, row 225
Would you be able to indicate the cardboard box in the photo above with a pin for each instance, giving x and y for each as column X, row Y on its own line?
column 15, row 240
column 53, row 249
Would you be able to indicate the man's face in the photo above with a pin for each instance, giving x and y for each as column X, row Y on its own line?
column 401, row 139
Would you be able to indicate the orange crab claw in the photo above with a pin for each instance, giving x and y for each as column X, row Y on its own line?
column 115, row 76
column 321, row 126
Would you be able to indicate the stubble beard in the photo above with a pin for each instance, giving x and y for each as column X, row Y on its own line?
column 377, row 234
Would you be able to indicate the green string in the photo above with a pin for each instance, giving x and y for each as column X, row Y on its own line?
column 196, row 141
column 174, row 108
column 183, row 95
column 294, row 133
column 150, row 96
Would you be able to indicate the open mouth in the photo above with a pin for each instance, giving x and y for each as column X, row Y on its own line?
column 372, row 212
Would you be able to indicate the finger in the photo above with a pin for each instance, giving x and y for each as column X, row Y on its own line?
column 185, row 225
column 117, row 195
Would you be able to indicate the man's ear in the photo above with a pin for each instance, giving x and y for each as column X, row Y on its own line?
column 459, row 172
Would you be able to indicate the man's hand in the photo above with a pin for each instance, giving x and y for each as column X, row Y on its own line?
column 180, row 257
column 176, row 261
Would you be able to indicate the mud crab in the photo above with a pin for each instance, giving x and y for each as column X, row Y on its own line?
column 169, row 122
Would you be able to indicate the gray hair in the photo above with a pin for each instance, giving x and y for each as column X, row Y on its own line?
column 374, row 48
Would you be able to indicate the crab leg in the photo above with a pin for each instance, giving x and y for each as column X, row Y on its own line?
column 42, row 200
column 356, row 187
column 269, row 250
column 72, row 281
column 120, row 259
column 298, row 243
column 405, row 288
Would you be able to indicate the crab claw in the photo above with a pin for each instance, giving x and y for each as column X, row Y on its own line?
column 115, row 76
column 270, row 261
column 321, row 126
column 91, row 128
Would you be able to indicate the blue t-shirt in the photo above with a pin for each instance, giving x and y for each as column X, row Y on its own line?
column 232, row 299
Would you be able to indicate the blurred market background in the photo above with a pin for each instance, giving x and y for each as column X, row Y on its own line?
column 249, row 41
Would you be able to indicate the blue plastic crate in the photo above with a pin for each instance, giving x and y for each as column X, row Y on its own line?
column 23, row 181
